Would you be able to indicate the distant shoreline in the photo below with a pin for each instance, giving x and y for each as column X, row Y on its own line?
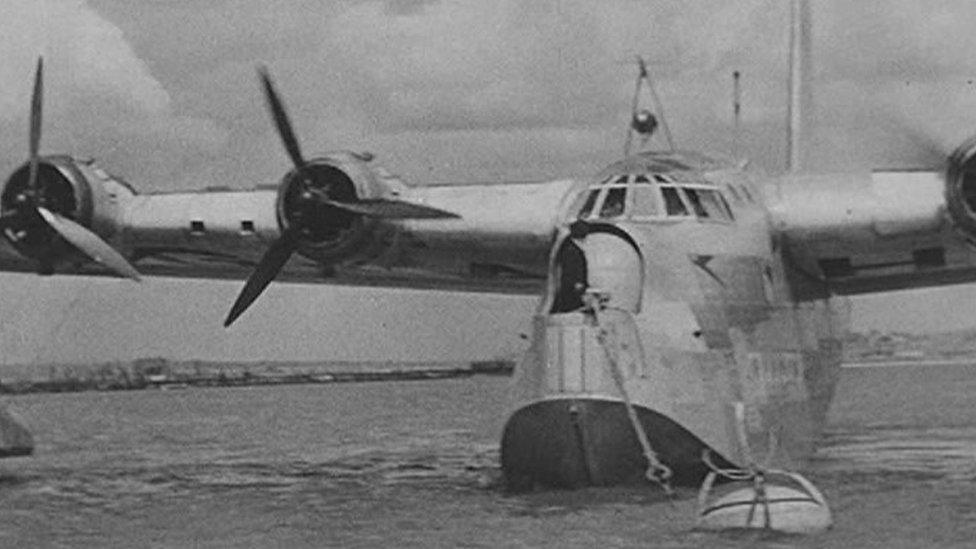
column 160, row 374
column 925, row 362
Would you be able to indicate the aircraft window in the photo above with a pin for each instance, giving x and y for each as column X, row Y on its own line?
column 609, row 198
column 588, row 205
column 613, row 204
column 725, row 204
column 696, row 202
column 247, row 226
column 712, row 202
column 673, row 202
column 644, row 201
column 197, row 227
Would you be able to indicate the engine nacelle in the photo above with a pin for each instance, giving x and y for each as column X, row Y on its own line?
column 960, row 187
column 327, row 234
column 73, row 188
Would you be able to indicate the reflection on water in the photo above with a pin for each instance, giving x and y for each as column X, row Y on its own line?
column 947, row 452
column 416, row 464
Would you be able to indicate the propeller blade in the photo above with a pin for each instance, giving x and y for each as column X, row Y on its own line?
column 35, row 123
column 383, row 207
column 281, row 119
column 927, row 149
column 265, row 271
column 89, row 243
column 910, row 144
column 392, row 209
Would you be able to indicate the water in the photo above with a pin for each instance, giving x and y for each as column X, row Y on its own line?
column 415, row 464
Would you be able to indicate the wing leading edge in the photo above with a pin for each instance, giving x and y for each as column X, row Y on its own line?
column 883, row 230
column 501, row 234
column 338, row 216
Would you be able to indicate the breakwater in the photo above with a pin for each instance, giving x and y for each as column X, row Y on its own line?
column 159, row 373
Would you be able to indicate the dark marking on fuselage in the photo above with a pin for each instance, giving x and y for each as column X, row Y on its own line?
column 701, row 261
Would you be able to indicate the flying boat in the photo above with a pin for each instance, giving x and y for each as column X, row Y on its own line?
column 691, row 310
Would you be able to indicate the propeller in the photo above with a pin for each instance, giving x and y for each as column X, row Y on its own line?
column 37, row 98
column 88, row 242
column 271, row 262
column 313, row 201
column 31, row 202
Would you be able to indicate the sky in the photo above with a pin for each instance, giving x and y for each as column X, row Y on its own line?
column 165, row 93
column 95, row 319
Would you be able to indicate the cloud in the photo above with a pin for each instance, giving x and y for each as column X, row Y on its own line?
column 463, row 64
column 472, row 90
column 101, row 99
column 887, row 73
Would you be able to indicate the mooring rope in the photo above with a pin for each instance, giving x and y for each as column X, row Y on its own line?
column 657, row 471
column 731, row 474
column 753, row 471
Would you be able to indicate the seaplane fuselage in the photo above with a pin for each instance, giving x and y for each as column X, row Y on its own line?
column 668, row 293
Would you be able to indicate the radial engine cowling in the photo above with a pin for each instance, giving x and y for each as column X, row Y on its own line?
column 961, row 187
column 72, row 188
column 317, row 201
column 332, row 209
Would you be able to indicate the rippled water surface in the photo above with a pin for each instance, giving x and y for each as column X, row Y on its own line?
column 415, row 464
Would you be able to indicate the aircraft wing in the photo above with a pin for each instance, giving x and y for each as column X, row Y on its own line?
column 881, row 230
column 480, row 237
column 336, row 217
column 493, row 237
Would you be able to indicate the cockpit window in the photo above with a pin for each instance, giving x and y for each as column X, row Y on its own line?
column 709, row 204
column 588, row 205
column 715, row 205
column 613, row 204
column 654, row 196
column 725, row 204
column 696, row 203
column 673, row 202
column 644, row 201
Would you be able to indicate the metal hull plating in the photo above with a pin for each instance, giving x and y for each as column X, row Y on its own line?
column 701, row 332
column 588, row 441
column 571, row 427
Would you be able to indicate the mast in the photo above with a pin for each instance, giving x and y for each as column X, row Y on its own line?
column 736, row 112
column 635, row 102
column 799, row 83
column 656, row 118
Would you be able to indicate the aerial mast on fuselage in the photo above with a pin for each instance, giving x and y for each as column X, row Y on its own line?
column 644, row 122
